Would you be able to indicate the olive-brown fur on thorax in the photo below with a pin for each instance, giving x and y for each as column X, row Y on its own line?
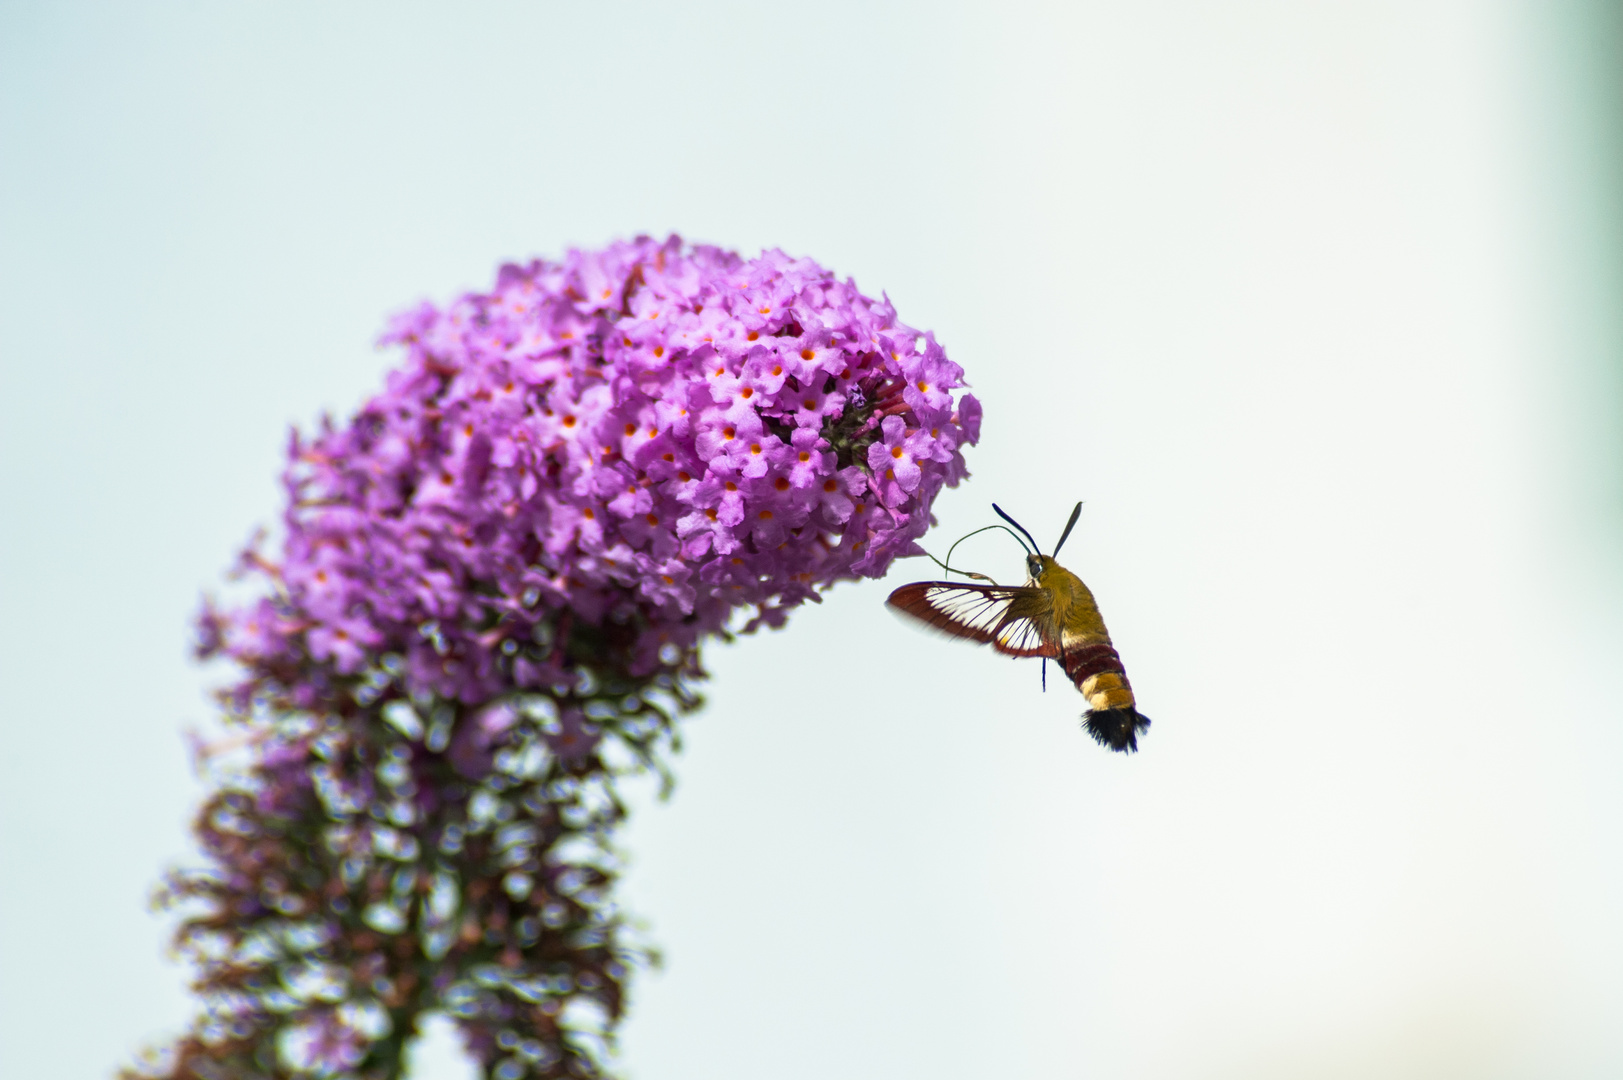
column 1074, row 612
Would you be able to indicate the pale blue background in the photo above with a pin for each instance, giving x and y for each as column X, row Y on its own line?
column 1316, row 305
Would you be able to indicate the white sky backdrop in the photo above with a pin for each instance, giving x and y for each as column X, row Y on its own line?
column 1315, row 305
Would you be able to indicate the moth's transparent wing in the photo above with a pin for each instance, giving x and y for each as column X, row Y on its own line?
column 1007, row 617
column 1022, row 635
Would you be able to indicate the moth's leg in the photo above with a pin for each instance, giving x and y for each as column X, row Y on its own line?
column 1045, row 674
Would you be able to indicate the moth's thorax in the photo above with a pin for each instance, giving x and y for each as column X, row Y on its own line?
column 1056, row 579
column 1075, row 611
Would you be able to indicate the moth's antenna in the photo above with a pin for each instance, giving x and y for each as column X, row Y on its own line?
column 1034, row 549
column 1069, row 525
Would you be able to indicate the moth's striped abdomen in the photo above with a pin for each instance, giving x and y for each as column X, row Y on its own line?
column 1112, row 718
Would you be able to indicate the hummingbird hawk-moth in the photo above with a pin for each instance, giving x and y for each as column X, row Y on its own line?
column 1053, row 615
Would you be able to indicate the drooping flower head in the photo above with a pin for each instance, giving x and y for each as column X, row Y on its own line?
column 496, row 572
column 647, row 432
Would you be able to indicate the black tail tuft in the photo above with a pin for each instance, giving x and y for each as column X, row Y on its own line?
column 1116, row 728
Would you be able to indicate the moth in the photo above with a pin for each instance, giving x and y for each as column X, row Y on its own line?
column 1053, row 615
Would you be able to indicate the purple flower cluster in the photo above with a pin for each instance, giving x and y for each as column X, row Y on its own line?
column 647, row 431
column 488, row 606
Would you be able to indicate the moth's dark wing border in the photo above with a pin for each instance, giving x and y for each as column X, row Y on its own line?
column 975, row 612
